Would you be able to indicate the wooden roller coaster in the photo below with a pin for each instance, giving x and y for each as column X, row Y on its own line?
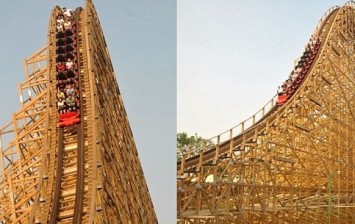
column 288, row 163
column 84, row 171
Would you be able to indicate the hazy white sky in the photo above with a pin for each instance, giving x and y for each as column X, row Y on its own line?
column 141, row 38
column 232, row 55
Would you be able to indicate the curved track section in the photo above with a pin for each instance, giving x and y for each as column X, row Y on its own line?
column 295, row 163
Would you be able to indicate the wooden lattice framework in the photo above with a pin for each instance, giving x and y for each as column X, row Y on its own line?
column 286, row 164
column 101, row 179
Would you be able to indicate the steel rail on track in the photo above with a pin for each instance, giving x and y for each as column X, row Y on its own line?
column 79, row 198
column 224, row 147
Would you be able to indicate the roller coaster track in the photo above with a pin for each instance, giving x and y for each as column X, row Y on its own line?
column 224, row 147
column 67, row 143
column 259, row 170
column 70, row 171
column 84, row 173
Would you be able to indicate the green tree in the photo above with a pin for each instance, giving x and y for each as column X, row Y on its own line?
column 193, row 143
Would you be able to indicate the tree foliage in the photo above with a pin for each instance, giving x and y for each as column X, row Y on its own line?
column 190, row 144
column 184, row 140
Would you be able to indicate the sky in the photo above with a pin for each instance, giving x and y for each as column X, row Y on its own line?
column 141, row 38
column 232, row 55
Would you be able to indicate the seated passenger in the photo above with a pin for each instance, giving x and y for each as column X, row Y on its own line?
column 60, row 96
column 70, row 90
column 279, row 91
column 313, row 40
column 61, row 76
column 60, row 50
column 288, row 82
column 73, row 81
column 61, row 106
column 304, row 55
column 69, row 47
column 67, row 12
column 71, row 102
column 294, row 76
column 317, row 41
column 69, row 55
column 298, row 70
column 307, row 52
column 71, row 74
column 61, row 67
column 69, row 40
column 67, row 25
column 60, row 42
column 60, row 19
column 59, row 27
column 284, row 84
column 61, row 58
column 69, row 64
column 69, row 32
column 70, row 81
column 284, row 88
column 61, row 85
column 301, row 62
